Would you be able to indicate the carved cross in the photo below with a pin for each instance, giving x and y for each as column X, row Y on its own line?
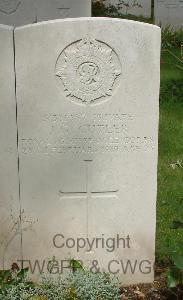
column 88, row 194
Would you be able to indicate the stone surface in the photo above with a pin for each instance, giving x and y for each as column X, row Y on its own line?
column 169, row 12
column 10, row 249
column 141, row 7
column 22, row 12
column 17, row 12
column 59, row 9
column 87, row 93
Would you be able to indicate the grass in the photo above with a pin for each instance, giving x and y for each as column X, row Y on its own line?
column 171, row 68
column 170, row 181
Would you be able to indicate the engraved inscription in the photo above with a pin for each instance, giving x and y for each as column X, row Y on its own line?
column 87, row 145
column 80, row 133
column 9, row 6
column 89, row 71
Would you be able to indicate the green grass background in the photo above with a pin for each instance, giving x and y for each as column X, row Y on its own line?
column 171, row 68
column 170, row 181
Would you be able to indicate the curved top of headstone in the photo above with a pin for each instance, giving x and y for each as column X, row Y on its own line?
column 90, row 19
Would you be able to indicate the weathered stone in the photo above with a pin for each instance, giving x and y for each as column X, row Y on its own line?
column 22, row 12
column 10, row 241
column 17, row 12
column 168, row 13
column 59, row 9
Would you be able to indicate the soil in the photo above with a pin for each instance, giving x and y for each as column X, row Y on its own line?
column 157, row 290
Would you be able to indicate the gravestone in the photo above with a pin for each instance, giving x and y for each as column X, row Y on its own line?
column 87, row 94
column 17, row 12
column 169, row 12
column 136, row 8
column 10, row 249
column 59, row 9
column 22, row 12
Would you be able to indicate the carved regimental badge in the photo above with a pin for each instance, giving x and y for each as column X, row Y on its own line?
column 89, row 71
column 9, row 6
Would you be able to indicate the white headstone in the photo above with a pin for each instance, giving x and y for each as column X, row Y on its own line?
column 17, row 12
column 169, row 12
column 59, row 9
column 87, row 93
column 137, row 8
column 10, row 249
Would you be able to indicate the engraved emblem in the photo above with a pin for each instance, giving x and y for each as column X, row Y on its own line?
column 9, row 6
column 89, row 71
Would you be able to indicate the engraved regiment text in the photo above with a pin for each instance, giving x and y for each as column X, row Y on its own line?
column 75, row 133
